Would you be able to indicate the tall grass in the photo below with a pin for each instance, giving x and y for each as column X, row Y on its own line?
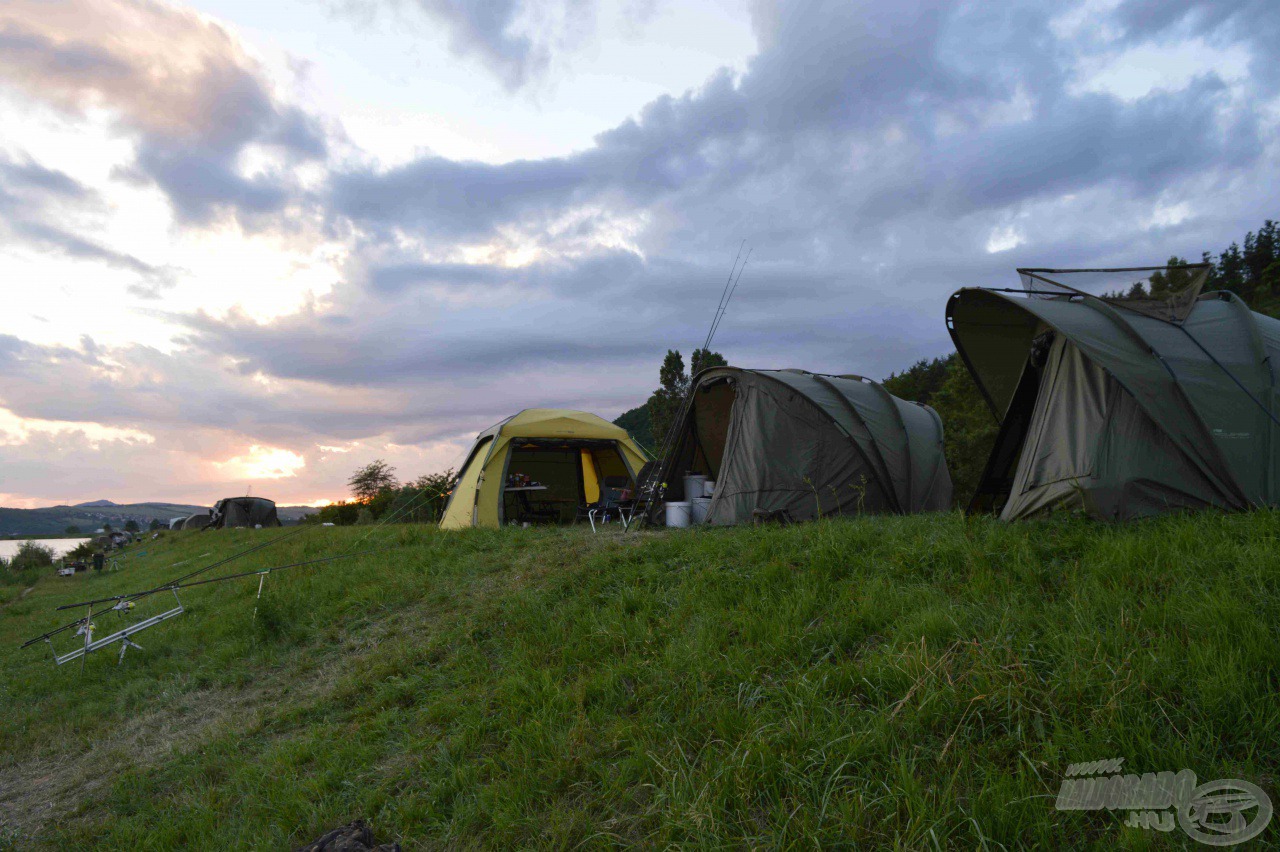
column 881, row 682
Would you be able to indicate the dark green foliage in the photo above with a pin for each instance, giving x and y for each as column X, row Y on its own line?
column 705, row 359
column 969, row 429
column 73, row 530
column 83, row 550
column 920, row 381
column 340, row 513
column 637, row 423
column 131, row 526
column 371, row 480
column 664, row 403
column 31, row 555
column 673, row 385
column 421, row 501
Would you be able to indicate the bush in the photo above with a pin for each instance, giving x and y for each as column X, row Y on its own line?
column 31, row 555
column 83, row 550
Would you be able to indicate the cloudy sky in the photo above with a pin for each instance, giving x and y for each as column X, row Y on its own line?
column 260, row 243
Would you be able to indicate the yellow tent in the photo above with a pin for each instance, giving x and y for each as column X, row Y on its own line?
column 568, row 454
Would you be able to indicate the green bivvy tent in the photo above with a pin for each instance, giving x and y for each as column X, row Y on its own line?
column 198, row 521
column 564, row 455
column 808, row 445
column 245, row 512
column 1121, row 407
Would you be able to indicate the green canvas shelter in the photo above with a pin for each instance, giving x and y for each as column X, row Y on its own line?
column 244, row 512
column 1121, row 408
column 198, row 521
column 808, row 445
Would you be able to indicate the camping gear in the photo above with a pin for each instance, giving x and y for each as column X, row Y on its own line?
column 698, row 508
column 694, row 484
column 569, row 452
column 678, row 513
column 1121, row 408
column 616, row 499
column 811, row 444
column 244, row 512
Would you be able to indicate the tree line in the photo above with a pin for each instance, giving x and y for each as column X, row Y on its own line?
column 378, row 495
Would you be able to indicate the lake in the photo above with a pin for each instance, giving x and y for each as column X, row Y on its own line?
column 59, row 545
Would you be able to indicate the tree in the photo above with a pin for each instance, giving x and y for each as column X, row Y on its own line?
column 704, row 359
column 106, row 528
column 31, row 555
column 920, row 381
column 371, row 480
column 673, row 381
column 72, row 530
column 131, row 526
column 665, row 401
column 155, row 524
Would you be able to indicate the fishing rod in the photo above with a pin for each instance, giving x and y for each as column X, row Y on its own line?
column 78, row 622
column 261, row 571
column 654, row 480
column 716, row 324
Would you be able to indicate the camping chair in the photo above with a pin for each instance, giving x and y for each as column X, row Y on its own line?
column 639, row 502
column 613, row 501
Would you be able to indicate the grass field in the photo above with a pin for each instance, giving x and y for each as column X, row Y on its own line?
column 890, row 682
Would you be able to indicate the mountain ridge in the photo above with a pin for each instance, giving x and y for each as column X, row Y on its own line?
column 91, row 516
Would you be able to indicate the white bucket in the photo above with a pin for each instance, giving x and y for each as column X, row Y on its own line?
column 677, row 514
column 708, row 488
column 693, row 485
column 699, row 509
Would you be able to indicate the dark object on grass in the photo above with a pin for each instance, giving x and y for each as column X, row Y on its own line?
column 244, row 512
column 355, row 836
column 764, row 516
column 99, row 561
column 198, row 521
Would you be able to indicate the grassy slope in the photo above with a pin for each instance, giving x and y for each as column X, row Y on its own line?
column 904, row 681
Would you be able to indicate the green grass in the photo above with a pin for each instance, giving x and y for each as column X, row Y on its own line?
column 889, row 682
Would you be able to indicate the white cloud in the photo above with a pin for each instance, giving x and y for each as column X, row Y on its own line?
column 1133, row 72
column 1003, row 239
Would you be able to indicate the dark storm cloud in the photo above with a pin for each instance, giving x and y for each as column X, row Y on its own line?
column 815, row 106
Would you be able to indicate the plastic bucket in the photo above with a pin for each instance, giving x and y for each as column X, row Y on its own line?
column 678, row 514
column 693, row 485
column 708, row 488
column 698, row 511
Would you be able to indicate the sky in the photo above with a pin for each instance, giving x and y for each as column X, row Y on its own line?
column 257, row 245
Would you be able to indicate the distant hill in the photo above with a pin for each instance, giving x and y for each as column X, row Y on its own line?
column 88, row 517
column 636, row 421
